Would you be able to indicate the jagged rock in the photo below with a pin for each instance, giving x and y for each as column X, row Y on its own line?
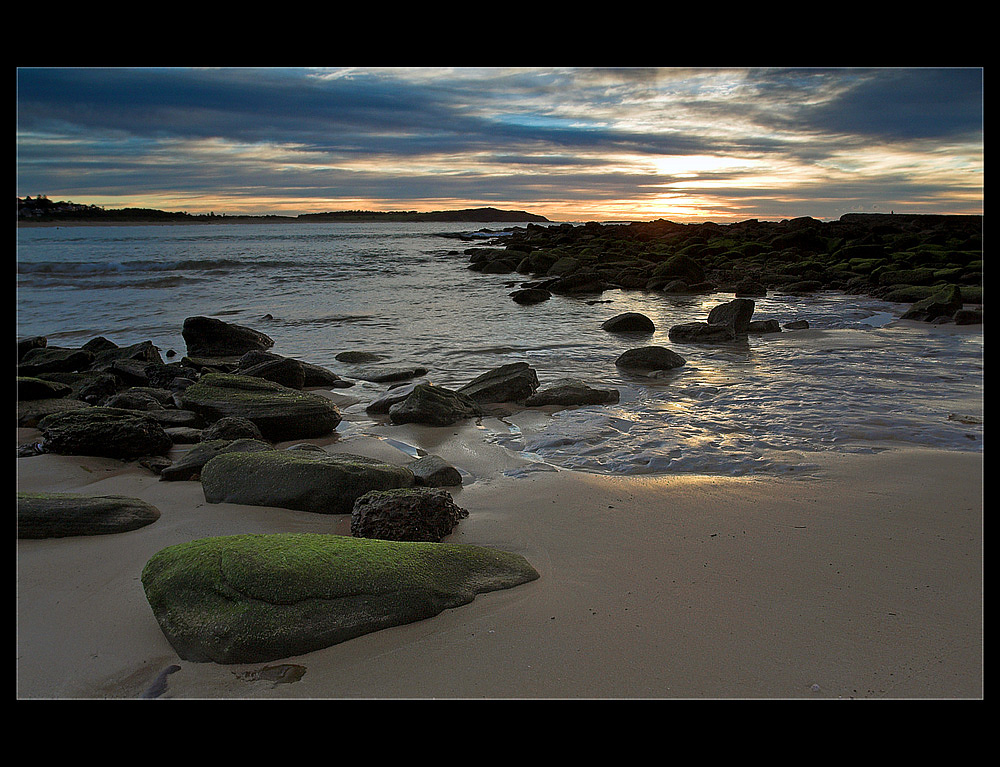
column 406, row 514
column 210, row 337
column 650, row 358
column 735, row 313
column 572, row 391
column 434, row 471
column 507, row 383
column 258, row 598
column 303, row 480
column 381, row 405
column 944, row 303
column 279, row 412
column 433, row 405
column 629, row 322
column 101, row 431
column 59, row 515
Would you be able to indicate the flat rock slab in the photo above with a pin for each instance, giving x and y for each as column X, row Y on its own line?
column 259, row 598
column 303, row 480
column 61, row 515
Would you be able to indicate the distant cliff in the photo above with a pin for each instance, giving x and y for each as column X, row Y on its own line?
column 477, row 215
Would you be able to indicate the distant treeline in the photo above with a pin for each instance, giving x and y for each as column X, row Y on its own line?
column 41, row 209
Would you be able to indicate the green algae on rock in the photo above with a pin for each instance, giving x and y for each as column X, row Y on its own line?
column 279, row 412
column 259, row 598
column 304, row 480
column 61, row 515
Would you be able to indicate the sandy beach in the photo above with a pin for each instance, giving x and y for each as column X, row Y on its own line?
column 864, row 582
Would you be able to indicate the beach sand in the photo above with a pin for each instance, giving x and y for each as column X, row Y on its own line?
column 865, row 581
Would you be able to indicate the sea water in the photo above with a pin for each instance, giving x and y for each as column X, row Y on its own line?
column 858, row 380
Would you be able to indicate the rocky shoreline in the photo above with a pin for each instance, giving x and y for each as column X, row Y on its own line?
column 933, row 262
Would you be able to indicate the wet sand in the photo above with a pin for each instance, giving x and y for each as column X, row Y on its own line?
column 863, row 582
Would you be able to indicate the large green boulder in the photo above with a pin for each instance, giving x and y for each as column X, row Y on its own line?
column 258, row 598
column 279, row 412
column 303, row 480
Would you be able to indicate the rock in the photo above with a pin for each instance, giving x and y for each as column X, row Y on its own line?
column 259, row 598
column 29, row 388
column 53, row 359
column 189, row 465
column 279, row 412
column 183, row 435
column 434, row 471
column 210, row 337
column 749, row 287
column 303, row 480
column 133, row 400
column 968, row 317
column 507, row 383
column 579, row 282
column 629, row 322
column 232, row 427
column 797, row 325
column 391, row 374
column 356, row 357
column 433, row 405
column 24, row 345
column 735, row 313
column 108, row 432
column 272, row 367
column 649, row 358
column 764, row 326
column 944, row 303
column 701, row 332
column 406, row 514
column 31, row 411
column 59, row 515
column 572, row 391
column 527, row 296
column 173, row 418
column 396, row 394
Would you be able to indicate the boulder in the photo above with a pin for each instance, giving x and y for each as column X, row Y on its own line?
column 272, row 367
column 391, row 374
column 527, row 296
column 210, row 337
column 189, row 465
column 735, row 313
column 434, row 405
column 304, row 480
column 29, row 388
column 279, row 412
column 571, row 391
column 797, row 325
column 107, row 432
column 259, row 598
column 406, row 514
column 230, row 428
column 59, row 515
column 701, row 332
column 434, row 471
column 764, row 326
column 507, row 383
column 943, row 303
column 629, row 322
column 381, row 405
column 31, row 411
column 649, row 358
column 53, row 359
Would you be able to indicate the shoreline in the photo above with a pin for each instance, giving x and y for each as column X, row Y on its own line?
column 862, row 582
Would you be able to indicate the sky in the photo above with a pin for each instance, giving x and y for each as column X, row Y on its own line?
column 568, row 143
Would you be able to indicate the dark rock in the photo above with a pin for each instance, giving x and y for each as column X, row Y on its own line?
column 764, row 326
column 183, row 435
column 527, row 296
column 303, row 480
column 272, row 367
column 189, row 466
column 31, row 411
column 259, row 598
column 568, row 392
column 53, row 359
column 24, row 345
column 944, row 303
column 797, row 325
column 701, row 332
column 434, row 405
column 108, row 432
column 173, row 418
column 407, row 514
column 59, row 515
column 232, row 427
column 396, row 394
column 356, row 357
column 750, row 288
column 391, row 374
column 968, row 317
column 649, row 358
column 29, row 388
column 507, row 383
column 434, row 471
column 133, row 400
column 210, row 337
column 629, row 322
column 735, row 313
column 279, row 412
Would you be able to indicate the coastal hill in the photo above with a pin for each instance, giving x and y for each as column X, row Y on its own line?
column 42, row 210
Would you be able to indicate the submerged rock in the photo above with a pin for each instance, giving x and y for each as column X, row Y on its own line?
column 258, row 598
column 701, row 332
column 648, row 358
column 572, row 391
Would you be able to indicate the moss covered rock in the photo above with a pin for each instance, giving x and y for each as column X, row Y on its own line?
column 104, row 431
column 258, row 598
column 304, row 480
column 60, row 515
column 279, row 412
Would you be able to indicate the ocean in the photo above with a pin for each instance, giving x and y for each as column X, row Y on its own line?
column 859, row 380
